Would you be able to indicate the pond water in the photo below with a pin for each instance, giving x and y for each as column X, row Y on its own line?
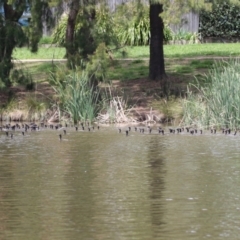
column 104, row 185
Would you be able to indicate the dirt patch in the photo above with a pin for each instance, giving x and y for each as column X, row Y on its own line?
column 140, row 93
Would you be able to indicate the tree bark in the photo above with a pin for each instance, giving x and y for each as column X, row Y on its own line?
column 156, row 64
column 71, row 22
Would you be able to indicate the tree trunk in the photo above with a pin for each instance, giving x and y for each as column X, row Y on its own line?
column 156, row 65
column 71, row 22
column 8, row 39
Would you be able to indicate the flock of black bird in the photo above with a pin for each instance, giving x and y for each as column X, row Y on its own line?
column 178, row 130
column 9, row 129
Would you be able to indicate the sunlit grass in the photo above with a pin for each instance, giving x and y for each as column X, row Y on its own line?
column 122, row 70
column 170, row 51
column 127, row 70
column 43, row 53
column 201, row 50
column 187, row 50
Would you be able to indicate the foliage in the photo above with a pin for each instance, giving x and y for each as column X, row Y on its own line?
column 46, row 40
column 168, row 33
column 18, row 76
column 76, row 96
column 132, row 23
column 182, row 35
column 104, row 28
column 217, row 102
column 13, row 35
column 98, row 63
column 2, row 84
column 172, row 13
column 30, row 108
column 36, row 109
column 223, row 21
column 59, row 31
column 99, row 29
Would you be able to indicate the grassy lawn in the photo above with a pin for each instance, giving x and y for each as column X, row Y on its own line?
column 133, row 69
column 188, row 50
column 170, row 51
column 201, row 50
column 125, row 70
column 43, row 53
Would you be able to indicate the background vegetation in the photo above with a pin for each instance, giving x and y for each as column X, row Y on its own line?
column 103, row 41
column 214, row 102
column 223, row 21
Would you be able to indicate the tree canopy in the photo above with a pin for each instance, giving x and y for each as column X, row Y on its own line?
column 12, row 34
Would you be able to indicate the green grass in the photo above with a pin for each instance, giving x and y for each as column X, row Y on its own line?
column 197, row 64
column 46, row 40
column 123, row 70
column 128, row 70
column 170, row 51
column 192, row 66
column 188, row 50
column 43, row 53
column 184, row 69
column 202, row 50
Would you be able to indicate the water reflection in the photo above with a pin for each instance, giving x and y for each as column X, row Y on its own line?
column 157, row 174
column 104, row 185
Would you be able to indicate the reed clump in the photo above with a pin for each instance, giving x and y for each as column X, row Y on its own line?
column 215, row 101
column 76, row 96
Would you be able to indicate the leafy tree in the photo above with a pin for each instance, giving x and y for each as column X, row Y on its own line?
column 89, row 25
column 12, row 34
column 171, row 11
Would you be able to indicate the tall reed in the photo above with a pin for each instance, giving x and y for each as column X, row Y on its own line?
column 77, row 96
column 216, row 103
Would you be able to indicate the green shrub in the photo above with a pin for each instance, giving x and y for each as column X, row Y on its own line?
column 132, row 24
column 168, row 33
column 98, row 63
column 223, row 21
column 104, row 29
column 59, row 32
column 217, row 101
column 101, row 28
